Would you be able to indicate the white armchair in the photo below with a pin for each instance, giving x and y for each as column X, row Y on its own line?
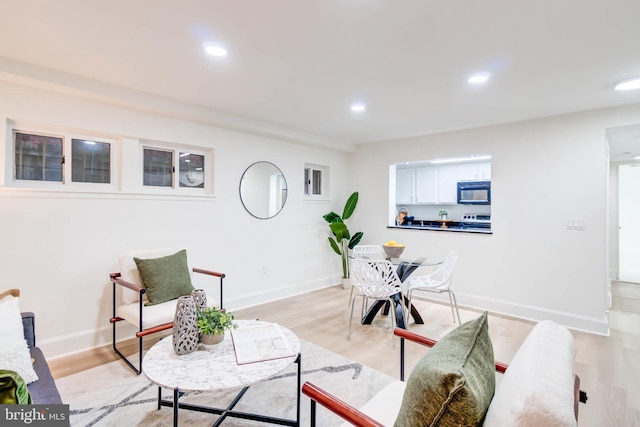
column 130, row 299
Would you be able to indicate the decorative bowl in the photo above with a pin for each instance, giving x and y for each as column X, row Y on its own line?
column 393, row 251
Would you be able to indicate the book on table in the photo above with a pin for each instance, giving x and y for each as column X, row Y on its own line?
column 257, row 343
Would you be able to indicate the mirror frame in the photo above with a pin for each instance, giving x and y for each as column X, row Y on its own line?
column 246, row 202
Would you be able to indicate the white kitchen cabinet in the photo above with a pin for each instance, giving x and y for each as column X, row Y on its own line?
column 484, row 171
column 447, row 184
column 468, row 172
column 426, row 185
column 436, row 184
column 480, row 171
column 405, row 185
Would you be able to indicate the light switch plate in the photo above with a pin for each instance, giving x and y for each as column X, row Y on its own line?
column 576, row 224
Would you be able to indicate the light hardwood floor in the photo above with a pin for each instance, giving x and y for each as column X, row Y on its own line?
column 609, row 367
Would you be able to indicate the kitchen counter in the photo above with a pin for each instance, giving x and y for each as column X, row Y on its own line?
column 452, row 226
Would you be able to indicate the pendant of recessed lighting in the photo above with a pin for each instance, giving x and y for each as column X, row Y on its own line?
column 629, row 84
column 479, row 78
column 215, row 49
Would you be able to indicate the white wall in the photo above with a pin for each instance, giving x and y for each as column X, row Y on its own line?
column 59, row 248
column 543, row 172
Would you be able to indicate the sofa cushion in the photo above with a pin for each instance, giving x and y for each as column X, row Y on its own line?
column 452, row 385
column 154, row 315
column 384, row 406
column 14, row 352
column 165, row 278
column 537, row 388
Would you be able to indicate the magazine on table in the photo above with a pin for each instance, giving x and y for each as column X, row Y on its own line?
column 260, row 342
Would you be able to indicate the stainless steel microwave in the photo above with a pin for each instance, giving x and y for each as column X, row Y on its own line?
column 474, row 193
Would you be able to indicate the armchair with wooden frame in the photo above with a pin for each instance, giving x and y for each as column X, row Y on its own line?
column 519, row 399
column 129, row 300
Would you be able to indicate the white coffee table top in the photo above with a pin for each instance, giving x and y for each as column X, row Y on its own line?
column 214, row 369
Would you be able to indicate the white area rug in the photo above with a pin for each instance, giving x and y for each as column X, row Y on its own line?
column 112, row 395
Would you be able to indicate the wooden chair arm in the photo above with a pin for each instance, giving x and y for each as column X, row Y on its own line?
column 412, row 336
column 115, row 278
column 337, row 406
column 209, row 272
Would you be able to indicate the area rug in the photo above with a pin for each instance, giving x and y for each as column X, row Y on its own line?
column 112, row 395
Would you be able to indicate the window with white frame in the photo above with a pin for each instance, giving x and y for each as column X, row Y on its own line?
column 41, row 156
column 90, row 161
column 159, row 167
column 316, row 181
column 58, row 159
column 191, row 170
column 38, row 157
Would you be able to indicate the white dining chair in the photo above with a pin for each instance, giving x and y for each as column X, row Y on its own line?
column 365, row 252
column 375, row 280
column 439, row 281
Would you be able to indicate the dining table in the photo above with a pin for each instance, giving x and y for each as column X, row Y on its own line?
column 405, row 268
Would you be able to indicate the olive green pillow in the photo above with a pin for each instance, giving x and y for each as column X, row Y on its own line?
column 13, row 390
column 453, row 384
column 165, row 278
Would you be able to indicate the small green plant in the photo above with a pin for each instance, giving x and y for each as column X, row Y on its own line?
column 442, row 212
column 214, row 320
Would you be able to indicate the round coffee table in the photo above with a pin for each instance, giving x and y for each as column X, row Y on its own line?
column 215, row 369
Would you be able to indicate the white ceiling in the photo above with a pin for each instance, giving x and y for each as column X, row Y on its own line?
column 295, row 66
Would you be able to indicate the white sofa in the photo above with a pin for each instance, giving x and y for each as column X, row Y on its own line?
column 538, row 388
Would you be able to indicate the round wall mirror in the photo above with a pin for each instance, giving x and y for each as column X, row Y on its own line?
column 263, row 190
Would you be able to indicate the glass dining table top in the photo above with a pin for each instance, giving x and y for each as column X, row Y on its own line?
column 407, row 265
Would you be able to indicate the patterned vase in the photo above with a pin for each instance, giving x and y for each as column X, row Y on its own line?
column 199, row 299
column 185, row 330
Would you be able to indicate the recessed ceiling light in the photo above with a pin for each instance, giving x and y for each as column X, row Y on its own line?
column 479, row 78
column 629, row 84
column 358, row 108
column 215, row 50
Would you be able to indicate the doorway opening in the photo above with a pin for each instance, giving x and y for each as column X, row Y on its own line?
column 624, row 205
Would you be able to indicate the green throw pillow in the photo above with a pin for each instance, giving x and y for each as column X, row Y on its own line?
column 165, row 278
column 13, row 390
column 453, row 384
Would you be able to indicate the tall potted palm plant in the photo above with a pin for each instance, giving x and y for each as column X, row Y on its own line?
column 342, row 240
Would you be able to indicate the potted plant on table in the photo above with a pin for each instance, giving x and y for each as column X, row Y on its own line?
column 212, row 323
column 443, row 214
column 342, row 240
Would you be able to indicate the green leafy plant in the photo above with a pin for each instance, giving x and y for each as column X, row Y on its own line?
column 342, row 240
column 442, row 213
column 214, row 320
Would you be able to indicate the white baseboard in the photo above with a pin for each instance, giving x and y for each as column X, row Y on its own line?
column 598, row 326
